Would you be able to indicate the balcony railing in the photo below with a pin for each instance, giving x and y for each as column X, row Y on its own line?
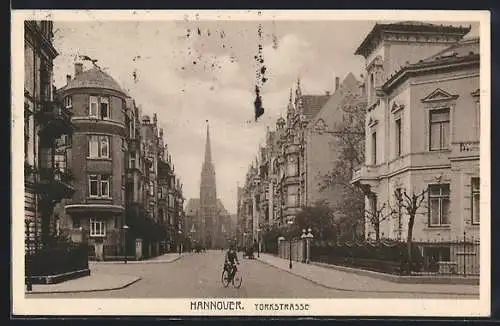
column 56, row 174
column 55, row 119
column 466, row 148
column 51, row 110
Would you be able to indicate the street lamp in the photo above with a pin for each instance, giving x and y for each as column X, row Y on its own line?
column 180, row 244
column 309, row 236
column 125, row 229
column 290, row 222
column 258, row 242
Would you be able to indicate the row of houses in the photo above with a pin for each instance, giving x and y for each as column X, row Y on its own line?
column 96, row 169
column 420, row 94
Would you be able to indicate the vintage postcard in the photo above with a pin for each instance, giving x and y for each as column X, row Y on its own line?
column 251, row 163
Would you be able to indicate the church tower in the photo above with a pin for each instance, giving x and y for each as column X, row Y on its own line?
column 208, row 196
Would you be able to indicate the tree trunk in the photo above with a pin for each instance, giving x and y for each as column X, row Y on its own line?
column 377, row 231
column 409, row 242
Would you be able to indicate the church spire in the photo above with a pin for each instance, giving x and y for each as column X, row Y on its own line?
column 208, row 151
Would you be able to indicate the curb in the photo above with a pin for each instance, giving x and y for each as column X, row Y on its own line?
column 138, row 262
column 401, row 279
column 360, row 290
column 135, row 280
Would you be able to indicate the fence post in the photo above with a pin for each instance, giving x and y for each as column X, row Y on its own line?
column 464, row 255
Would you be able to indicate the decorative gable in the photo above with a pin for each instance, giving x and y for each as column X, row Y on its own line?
column 439, row 95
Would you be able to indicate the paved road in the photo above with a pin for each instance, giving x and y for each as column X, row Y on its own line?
column 198, row 276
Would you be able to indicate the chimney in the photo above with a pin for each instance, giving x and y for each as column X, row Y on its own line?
column 68, row 79
column 337, row 83
column 78, row 68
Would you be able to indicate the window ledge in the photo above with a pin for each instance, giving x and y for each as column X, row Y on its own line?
column 99, row 158
column 97, row 236
column 437, row 227
column 474, row 225
column 100, row 197
column 443, row 150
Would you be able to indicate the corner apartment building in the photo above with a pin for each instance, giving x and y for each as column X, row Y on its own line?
column 97, row 157
column 114, row 155
column 423, row 128
column 47, row 123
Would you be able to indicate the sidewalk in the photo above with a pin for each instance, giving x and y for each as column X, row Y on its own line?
column 166, row 258
column 93, row 283
column 345, row 281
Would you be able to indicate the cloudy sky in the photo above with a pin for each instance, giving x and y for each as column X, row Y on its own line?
column 192, row 71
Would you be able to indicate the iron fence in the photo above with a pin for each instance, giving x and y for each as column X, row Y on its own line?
column 432, row 257
column 56, row 260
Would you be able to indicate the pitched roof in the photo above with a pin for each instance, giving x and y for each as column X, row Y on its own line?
column 350, row 83
column 94, row 78
column 464, row 51
column 312, row 104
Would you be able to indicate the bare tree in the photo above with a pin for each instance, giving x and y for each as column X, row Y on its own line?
column 411, row 203
column 377, row 216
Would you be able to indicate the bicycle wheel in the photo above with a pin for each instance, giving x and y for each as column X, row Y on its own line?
column 237, row 279
column 225, row 278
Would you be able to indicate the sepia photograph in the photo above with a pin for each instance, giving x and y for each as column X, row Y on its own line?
column 251, row 162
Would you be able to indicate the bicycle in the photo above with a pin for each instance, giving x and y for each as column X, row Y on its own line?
column 236, row 280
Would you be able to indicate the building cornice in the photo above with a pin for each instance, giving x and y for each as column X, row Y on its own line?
column 428, row 67
column 381, row 31
column 46, row 44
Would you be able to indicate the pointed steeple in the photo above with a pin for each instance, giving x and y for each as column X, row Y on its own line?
column 298, row 91
column 290, row 103
column 208, row 151
column 298, row 97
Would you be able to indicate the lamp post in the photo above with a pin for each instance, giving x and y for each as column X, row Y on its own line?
column 258, row 242
column 180, row 243
column 290, row 222
column 125, row 229
column 303, row 237
column 309, row 236
column 279, row 246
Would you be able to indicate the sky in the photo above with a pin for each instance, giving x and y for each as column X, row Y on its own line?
column 192, row 71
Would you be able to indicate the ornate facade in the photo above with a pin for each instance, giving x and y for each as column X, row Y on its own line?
column 423, row 126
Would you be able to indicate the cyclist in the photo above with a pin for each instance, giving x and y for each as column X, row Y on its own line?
column 230, row 259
